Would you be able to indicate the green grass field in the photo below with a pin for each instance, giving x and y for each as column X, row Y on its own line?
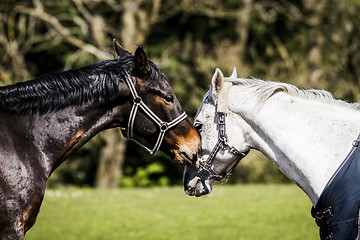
column 229, row 212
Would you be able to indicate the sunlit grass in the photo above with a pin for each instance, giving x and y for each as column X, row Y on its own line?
column 230, row 212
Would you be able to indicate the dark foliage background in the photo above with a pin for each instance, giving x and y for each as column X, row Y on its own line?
column 308, row 43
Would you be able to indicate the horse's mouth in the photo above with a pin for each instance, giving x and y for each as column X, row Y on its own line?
column 197, row 186
column 186, row 158
column 182, row 158
column 198, row 190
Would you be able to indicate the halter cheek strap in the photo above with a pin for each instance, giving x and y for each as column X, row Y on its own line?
column 222, row 143
column 163, row 125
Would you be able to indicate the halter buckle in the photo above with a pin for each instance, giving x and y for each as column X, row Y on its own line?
column 221, row 119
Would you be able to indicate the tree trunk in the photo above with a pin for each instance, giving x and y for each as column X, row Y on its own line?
column 112, row 157
column 242, row 27
column 136, row 23
column 315, row 13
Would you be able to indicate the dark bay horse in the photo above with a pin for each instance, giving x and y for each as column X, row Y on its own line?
column 45, row 120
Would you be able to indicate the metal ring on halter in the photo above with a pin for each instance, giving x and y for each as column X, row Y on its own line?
column 137, row 100
column 163, row 126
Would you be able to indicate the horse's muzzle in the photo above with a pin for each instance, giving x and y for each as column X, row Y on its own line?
column 196, row 185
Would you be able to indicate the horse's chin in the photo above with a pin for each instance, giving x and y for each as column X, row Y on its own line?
column 196, row 185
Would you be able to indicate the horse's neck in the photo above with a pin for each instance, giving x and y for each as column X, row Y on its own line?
column 59, row 134
column 307, row 140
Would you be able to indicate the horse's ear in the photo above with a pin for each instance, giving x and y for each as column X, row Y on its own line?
column 234, row 73
column 119, row 49
column 217, row 82
column 142, row 67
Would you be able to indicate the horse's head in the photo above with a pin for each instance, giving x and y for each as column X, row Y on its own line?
column 154, row 113
column 223, row 138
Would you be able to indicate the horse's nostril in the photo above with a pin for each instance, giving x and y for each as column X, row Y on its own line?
column 194, row 158
column 185, row 179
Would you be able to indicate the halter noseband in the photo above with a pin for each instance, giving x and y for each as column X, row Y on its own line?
column 222, row 143
column 163, row 126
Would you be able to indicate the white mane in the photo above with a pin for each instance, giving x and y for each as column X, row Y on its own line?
column 266, row 89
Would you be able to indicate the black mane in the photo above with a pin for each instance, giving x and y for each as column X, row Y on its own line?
column 56, row 91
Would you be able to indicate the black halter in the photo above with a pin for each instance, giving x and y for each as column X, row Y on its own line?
column 222, row 143
column 163, row 126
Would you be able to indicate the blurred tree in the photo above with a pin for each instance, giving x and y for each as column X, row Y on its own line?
column 312, row 44
column 111, row 160
column 37, row 29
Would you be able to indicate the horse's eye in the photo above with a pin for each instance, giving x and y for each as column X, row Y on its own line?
column 198, row 127
column 169, row 98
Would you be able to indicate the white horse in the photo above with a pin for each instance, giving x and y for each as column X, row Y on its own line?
column 305, row 133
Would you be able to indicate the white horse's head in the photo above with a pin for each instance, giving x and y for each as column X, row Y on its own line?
column 305, row 133
column 222, row 144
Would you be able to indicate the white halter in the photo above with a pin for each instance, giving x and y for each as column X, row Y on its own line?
column 163, row 126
